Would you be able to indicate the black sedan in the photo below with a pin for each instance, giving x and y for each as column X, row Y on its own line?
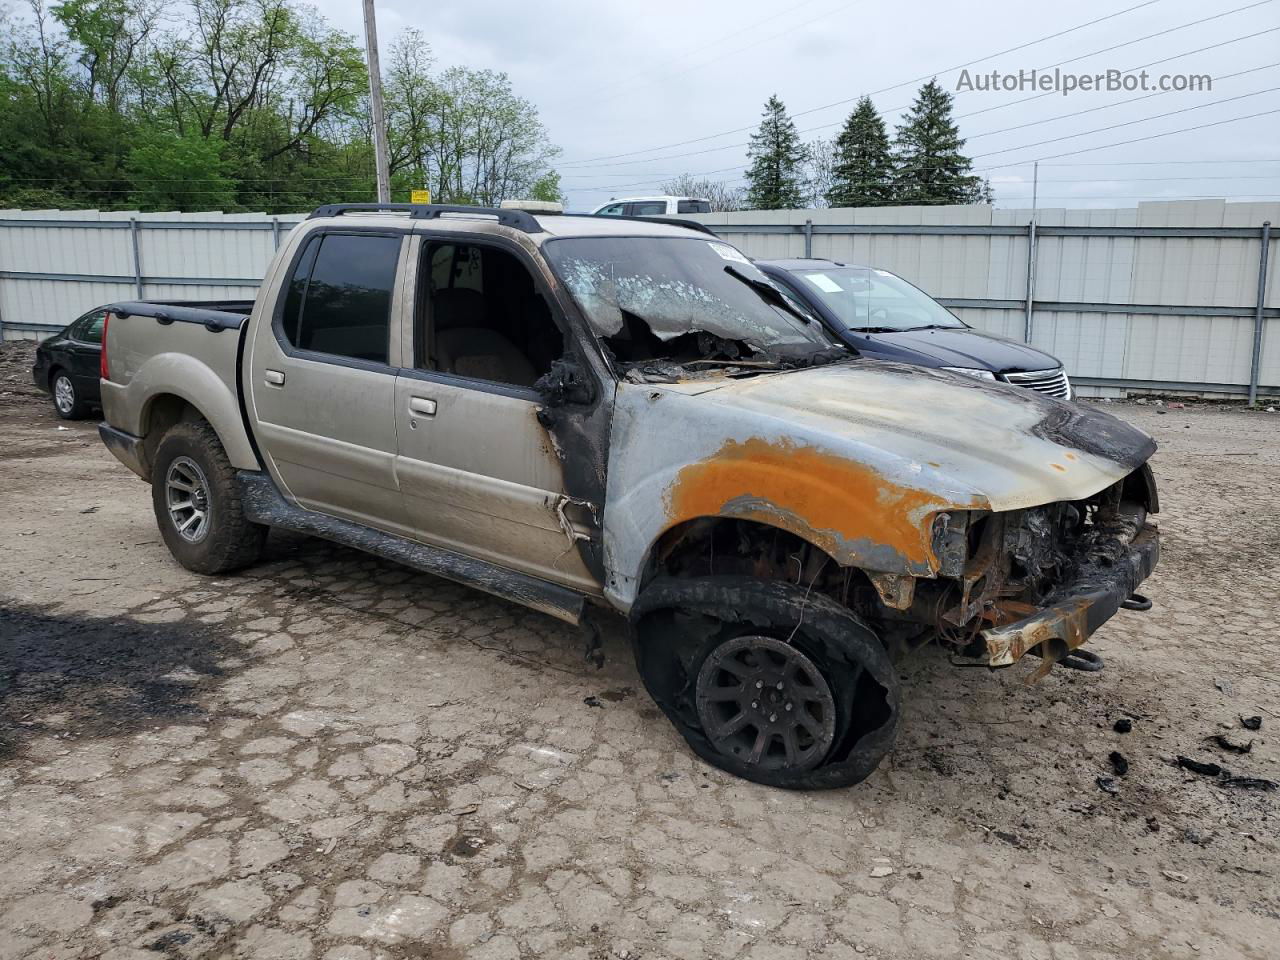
column 67, row 366
column 883, row 316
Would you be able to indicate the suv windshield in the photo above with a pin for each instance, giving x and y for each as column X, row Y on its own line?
column 863, row 298
column 663, row 301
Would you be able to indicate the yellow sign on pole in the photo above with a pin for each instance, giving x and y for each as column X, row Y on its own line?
column 419, row 196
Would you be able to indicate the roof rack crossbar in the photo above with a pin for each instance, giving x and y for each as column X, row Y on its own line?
column 516, row 219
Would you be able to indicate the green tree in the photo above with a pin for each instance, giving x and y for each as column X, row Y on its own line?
column 863, row 170
column 927, row 152
column 172, row 172
column 242, row 105
column 776, row 169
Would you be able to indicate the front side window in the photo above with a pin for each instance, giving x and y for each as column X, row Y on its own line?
column 866, row 299
column 657, row 301
column 482, row 317
column 612, row 210
column 339, row 298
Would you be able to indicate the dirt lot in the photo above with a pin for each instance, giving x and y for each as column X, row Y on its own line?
column 330, row 756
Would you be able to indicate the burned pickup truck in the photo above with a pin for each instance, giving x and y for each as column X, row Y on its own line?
column 584, row 415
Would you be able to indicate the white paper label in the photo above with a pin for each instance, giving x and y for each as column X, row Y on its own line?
column 824, row 283
column 727, row 252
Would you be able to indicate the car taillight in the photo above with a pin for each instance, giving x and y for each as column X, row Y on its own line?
column 104, row 370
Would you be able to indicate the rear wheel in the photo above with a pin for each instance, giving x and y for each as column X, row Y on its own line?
column 197, row 502
column 766, row 681
column 66, row 399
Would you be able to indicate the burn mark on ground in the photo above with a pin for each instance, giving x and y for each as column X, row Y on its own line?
column 104, row 676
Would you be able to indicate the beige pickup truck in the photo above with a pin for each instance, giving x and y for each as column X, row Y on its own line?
column 587, row 414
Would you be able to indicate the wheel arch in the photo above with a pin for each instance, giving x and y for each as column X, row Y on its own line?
column 161, row 412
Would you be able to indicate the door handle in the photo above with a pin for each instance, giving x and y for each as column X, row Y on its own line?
column 422, row 406
column 274, row 378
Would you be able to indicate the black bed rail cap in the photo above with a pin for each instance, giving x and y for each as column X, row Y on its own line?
column 517, row 219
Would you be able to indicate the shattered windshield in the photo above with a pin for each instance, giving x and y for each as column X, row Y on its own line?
column 685, row 302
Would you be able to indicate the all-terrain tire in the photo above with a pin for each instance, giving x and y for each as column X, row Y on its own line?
column 190, row 454
column 67, row 402
column 688, row 630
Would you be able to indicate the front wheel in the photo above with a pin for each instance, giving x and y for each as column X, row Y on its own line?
column 197, row 502
column 767, row 681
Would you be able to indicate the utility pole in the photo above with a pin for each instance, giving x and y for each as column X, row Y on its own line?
column 1035, row 187
column 375, row 104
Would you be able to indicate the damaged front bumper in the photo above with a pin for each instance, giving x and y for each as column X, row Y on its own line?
column 1078, row 609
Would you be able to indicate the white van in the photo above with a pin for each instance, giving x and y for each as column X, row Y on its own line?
column 652, row 207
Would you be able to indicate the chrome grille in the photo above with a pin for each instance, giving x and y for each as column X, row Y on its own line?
column 1052, row 382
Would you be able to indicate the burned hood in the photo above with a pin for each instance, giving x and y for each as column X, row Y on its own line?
column 858, row 457
column 988, row 444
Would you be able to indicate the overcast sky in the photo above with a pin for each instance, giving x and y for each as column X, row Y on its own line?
column 614, row 79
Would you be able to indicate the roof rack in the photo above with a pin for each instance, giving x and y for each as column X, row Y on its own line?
column 673, row 221
column 517, row 219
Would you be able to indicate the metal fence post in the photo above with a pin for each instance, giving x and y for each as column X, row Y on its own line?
column 1031, row 280
column 1255, row 365
column 808, row 239
column 275, row 230
column 137, row 256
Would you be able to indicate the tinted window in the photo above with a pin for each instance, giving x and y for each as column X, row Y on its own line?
column 341, row 292
column 87, row 329
column 91, row 332
column 694, row 206
column 650, row 208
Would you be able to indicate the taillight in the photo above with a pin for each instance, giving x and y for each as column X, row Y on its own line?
column 104, row 370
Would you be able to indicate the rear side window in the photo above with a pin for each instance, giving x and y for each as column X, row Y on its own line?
column 649, row 208
column 339, row 298
column 88, row 329
column 694, row 206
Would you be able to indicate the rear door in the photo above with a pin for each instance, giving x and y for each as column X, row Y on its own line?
column 322, row 376
column 84, row 351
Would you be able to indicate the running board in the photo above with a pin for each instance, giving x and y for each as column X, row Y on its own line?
column 263, row 503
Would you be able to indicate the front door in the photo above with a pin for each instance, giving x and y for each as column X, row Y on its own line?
column 478, row 471
column 323, row 378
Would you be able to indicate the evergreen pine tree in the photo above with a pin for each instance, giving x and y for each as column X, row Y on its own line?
column 930, row 167
column 776, row 174
column 864, row 168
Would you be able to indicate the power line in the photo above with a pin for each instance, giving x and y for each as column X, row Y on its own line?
column 1121, row 143
column 1077, row 113
column 1142, row 66
column 835, row 123
column 1126, row 123
column 1022, row 46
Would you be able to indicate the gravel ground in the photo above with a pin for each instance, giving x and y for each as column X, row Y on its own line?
column 333, row 757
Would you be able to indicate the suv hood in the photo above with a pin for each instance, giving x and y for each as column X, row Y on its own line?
column 964, row 347
column 858, row 456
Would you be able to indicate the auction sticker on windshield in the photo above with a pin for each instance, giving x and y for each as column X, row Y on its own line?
column 824, row 283
column 727, row 252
